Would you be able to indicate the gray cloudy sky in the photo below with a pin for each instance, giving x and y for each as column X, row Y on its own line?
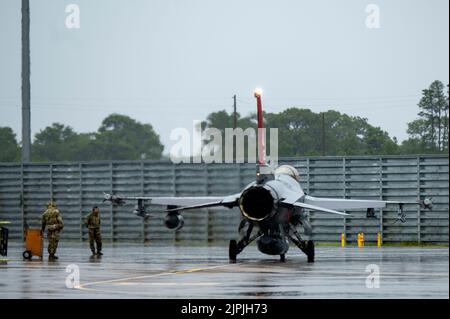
column 168, row 62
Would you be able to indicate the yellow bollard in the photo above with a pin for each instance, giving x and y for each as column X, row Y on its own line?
column 342, row 240
column 379, row 239
column 360, row 239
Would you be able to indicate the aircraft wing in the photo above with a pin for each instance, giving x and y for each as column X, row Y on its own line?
column 349, row 204
column 177, row 203
column 332, row 205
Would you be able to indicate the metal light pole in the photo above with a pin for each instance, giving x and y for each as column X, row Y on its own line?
column 26, row 116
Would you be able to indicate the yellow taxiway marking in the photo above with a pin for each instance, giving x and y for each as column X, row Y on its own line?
column 169, row 273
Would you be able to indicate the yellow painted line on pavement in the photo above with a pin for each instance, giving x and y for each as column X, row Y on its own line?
column 169, row 273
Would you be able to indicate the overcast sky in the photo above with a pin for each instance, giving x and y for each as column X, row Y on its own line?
column 169, row 62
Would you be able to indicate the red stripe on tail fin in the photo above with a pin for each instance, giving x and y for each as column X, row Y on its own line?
column 261, row 135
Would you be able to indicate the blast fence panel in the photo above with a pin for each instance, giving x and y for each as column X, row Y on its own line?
column 77, row 187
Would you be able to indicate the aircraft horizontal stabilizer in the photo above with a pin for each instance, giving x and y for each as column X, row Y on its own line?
column 206, row 205
column 318, row 208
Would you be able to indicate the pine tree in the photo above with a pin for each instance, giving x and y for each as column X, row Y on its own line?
column 431, row 129
column 445, row 123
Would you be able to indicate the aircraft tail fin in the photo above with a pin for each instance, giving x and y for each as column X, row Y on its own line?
column 263, row 170
column 261, row 135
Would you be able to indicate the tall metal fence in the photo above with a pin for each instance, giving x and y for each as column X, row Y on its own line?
column 76, row 187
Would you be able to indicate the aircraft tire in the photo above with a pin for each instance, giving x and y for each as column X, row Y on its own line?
column 232, row 251
column 282, row 258
column 310, row 252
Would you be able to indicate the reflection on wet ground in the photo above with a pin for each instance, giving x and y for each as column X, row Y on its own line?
column 148, row 271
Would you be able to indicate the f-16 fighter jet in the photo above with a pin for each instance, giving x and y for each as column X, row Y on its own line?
column 273, row 206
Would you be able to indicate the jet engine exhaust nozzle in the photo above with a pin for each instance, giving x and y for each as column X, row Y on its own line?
column 256, row 203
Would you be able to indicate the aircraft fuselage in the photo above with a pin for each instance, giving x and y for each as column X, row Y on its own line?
column 259, row 205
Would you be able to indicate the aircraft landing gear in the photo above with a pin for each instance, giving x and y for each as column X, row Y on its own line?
column 237, row 247
column 306, row 246
column 310, row 251
column 232, row 251
column 282, row 258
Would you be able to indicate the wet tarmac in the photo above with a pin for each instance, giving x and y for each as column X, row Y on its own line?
column 148, row 271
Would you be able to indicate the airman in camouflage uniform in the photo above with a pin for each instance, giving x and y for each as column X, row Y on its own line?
column 53, row 221
column 92, row 222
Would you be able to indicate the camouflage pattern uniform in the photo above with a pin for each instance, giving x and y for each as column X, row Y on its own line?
column 92, row 221
column 53, row 221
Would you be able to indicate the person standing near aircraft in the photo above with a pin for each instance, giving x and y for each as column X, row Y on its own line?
column 52, row 220
column 92, row 222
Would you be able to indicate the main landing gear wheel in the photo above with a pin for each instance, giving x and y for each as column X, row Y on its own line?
column 282, row 258
column 310, row 253
column 232, row 251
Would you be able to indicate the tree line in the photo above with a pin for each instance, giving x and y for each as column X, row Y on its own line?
column 119, row 137
column 301, row 132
